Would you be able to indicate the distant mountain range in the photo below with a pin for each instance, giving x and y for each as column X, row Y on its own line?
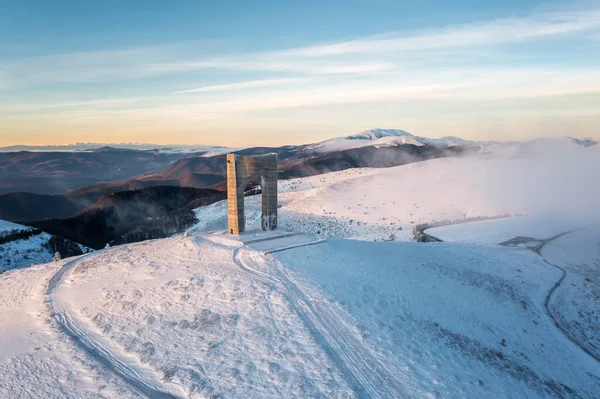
column 57, row 172
column 78, row 147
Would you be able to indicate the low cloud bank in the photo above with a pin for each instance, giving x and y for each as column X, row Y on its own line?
column 557, row 177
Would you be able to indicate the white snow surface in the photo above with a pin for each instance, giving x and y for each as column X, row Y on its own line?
column 6, row 226
column 206, row 315
column 36, row 359
column 576, row 302
column 448, row 320
column 24, row 253
column 183, row 311
column 497, row 231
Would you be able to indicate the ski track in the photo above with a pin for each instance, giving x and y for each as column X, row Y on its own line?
column 87, row 342
column 367, row 376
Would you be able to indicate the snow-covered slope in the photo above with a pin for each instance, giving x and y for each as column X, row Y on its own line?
column 8, row 227
column 497, row 231
column 22, row 246
column 385, row 138
column 573, row 250
column 376, row 203
column 449, row 320
column 198, row 316
column 36, row 360
column 25, row 252
column 576, row 302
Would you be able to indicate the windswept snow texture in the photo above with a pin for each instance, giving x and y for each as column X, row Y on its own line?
column 576, row 302
column 342, row 318
column 36, row 359
column 183, row 308
column 449, row 320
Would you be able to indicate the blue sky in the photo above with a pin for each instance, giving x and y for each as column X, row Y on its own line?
column 250, row 73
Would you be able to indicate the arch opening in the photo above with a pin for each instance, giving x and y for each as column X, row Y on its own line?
column 241, row 171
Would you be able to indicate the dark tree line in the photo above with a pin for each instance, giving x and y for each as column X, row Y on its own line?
column 66, row 248
column 15, row 235
column 163, row 227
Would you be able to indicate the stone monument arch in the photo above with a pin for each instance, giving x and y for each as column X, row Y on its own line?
column 244, row 169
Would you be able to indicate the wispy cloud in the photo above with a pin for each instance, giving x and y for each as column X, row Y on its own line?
column 215, row 101
column 263, row 62
column 387, row 52
column 95, row 103
column 475, row 34
column 243, row 85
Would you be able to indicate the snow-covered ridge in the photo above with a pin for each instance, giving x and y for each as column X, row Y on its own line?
column 6, row 227
column 21, row 246
column 375, row 134
column 397, row 137
column 386, row 138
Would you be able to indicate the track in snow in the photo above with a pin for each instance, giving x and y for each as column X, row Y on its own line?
column 93, row 348
column 538, row 250
column 367, row 377
column 566, row 332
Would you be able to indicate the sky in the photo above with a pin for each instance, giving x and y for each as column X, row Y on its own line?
column 240, row 73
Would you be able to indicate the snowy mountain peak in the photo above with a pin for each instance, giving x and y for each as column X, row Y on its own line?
column 397, row 137
column 375, row 134
column 387, row 138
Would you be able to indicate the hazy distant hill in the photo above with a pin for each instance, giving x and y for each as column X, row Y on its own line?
column 294, row 161
column 57, row 172
column 27, row 206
